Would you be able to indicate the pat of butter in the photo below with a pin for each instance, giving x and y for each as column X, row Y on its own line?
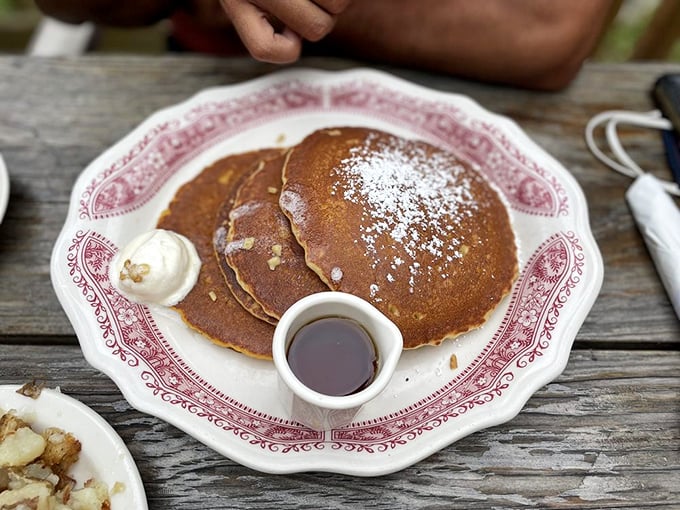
column 158, row 267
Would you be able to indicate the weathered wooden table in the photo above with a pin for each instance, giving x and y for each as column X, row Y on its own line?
column 605, row 434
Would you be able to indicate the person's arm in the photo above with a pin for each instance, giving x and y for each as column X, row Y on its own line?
column 530, row 43
column 537, row 44
column 124, row 13
column 271, row 30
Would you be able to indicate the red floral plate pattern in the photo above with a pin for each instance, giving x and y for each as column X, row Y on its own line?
column 227, row 400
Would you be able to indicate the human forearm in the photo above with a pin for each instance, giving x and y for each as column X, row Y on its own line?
column 531, row 43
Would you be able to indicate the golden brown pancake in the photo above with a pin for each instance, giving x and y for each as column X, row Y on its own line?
column 402, row 224
column 268, row 262
column 210, row 308
column 220, row 245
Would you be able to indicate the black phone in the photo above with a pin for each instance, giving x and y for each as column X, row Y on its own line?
column 666, row 94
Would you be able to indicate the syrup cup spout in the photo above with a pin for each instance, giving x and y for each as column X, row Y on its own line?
column 318, row 410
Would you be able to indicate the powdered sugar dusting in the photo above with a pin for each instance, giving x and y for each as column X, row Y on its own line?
column 220, row 239
column 413, row 198
column 244, row 210
column 237, row 245
column 294, row 204
column 374, row 288
column 336, row 274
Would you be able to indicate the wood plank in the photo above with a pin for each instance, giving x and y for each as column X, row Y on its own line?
column 57, row 115
column 605, row 434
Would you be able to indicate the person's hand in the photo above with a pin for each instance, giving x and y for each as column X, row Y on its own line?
column 273, row 30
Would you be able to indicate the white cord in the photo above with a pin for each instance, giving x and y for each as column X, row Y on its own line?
column 625, row 163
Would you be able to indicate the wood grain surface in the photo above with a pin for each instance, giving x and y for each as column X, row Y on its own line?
column 605, row 434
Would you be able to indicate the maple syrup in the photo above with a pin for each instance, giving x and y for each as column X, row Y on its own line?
column 333, row 355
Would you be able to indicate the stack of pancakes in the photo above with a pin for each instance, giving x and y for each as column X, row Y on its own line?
column 401, row 223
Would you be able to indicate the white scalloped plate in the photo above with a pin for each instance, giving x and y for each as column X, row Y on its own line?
column 103, row 457
column 4, row 188
column 227, row 400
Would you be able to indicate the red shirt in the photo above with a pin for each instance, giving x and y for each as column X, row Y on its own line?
column 191, row 35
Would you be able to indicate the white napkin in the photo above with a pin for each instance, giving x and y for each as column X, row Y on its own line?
column 658, row 219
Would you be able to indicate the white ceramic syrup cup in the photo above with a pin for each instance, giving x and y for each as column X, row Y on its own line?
column 314, row 409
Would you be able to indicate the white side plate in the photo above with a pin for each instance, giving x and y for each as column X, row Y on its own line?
column 4, row 188
column 103, row 457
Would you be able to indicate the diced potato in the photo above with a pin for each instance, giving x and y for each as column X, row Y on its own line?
column 38, row 493
column 9, row 423
column 61, row 450
column 21, row 447
column 34, row 470
column 93, row 497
